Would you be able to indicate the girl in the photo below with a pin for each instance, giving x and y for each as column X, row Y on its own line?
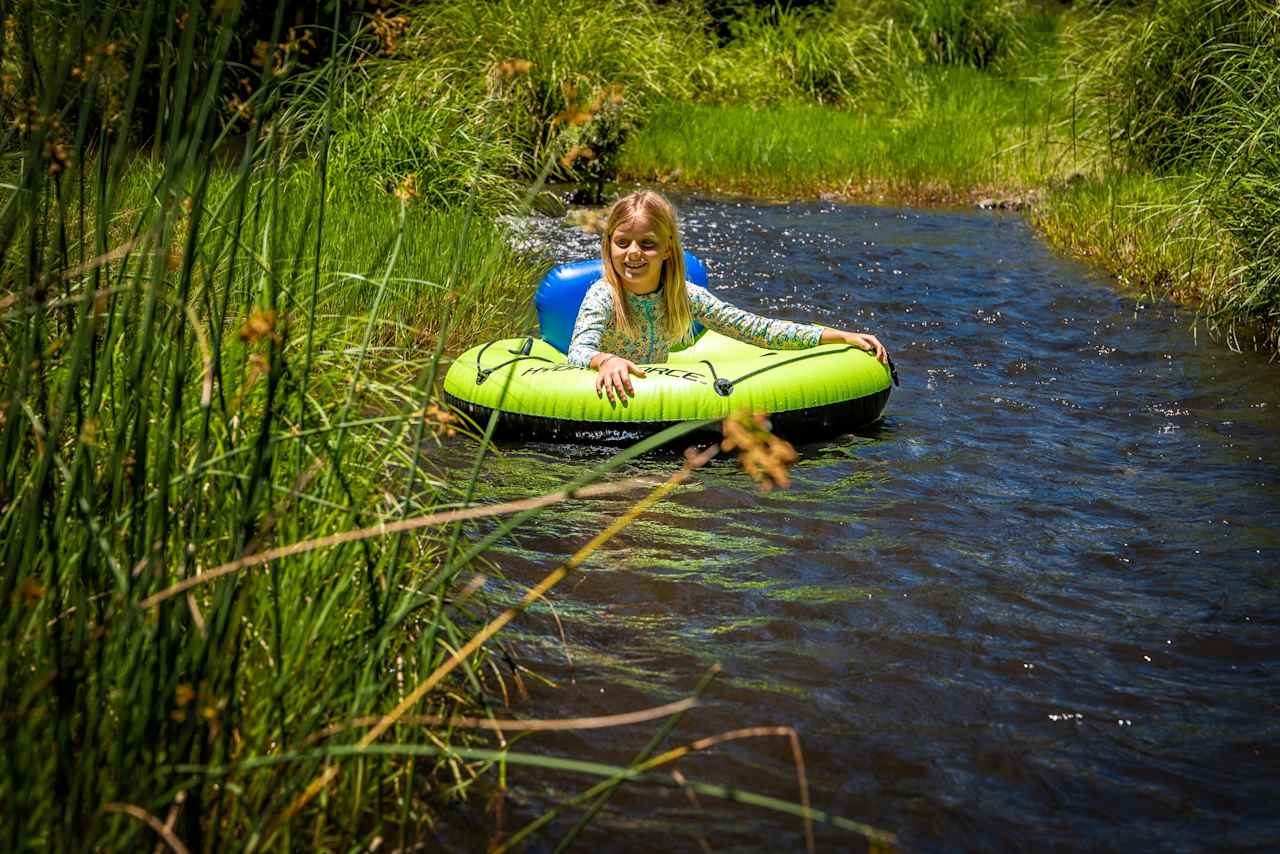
column 643, row 305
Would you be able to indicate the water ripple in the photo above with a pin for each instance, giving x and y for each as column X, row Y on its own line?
column 1035, row 609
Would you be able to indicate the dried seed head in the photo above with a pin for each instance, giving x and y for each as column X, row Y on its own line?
column 261, row 324
column 765, row 457
column 388, row 30
column 408, row 189
column 440, row 420
column 31, row 591
column 578, row 151
column 512, row 67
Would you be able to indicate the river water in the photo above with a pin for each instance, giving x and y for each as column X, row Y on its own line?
column 1036, row 607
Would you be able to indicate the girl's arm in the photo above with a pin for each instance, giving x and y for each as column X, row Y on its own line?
column 715, row 313
column 594, row 316
column 728, row 320
column 614, row 372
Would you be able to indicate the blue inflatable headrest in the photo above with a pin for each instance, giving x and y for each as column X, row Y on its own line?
column 561, row 292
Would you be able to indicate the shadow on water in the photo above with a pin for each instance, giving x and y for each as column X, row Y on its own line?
column 1036, row 607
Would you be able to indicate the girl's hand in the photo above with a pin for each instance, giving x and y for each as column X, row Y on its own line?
column 861, row 340
column 614, row 377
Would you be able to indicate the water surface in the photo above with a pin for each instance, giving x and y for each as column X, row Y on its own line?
column 1036, row 607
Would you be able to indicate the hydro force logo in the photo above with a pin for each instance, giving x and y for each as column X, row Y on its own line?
column 674, row 373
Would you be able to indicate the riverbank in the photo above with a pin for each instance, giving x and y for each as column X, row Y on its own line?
column 1128, row 132
column 962, row 137
column 1138, row 227
column 958, row 137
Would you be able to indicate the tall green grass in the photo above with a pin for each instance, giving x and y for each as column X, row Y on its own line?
column 201, row 362
column 1192, row 90
column 976, row 33
column 209, row 351
column 165, row 411
column 1138, row 227
column 553, row 76
column 783, row 54
column 961, row 133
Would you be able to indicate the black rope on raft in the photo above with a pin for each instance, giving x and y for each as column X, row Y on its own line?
column 522, row 355
column 759, row 371
column 483, row 373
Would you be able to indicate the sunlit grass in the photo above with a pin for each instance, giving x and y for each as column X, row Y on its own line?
column 211, row 353
column 1188, row 90
column 961, row 134
column 1137, row 227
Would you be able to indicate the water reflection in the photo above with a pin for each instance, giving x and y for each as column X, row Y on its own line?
column 1036, row 608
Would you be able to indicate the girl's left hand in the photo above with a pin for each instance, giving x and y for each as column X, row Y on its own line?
column 861, row 340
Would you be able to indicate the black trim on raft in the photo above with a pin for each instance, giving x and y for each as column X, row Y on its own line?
column 759, row 371
column 800, row 425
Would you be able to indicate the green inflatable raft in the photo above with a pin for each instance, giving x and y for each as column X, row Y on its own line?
column 826, row 390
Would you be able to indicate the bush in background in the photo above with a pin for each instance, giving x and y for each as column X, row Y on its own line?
column 977, row 33
column 553, row 82
column 781, row 54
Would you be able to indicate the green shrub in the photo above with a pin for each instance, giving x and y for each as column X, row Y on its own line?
column 963, row 32
column 779, row 54
column 556, row 73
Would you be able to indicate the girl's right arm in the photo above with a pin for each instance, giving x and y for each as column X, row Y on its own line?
column 614, row 372
column 594, row 317
column 715, row 313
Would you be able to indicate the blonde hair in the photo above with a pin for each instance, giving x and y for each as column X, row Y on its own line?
column 677, row 320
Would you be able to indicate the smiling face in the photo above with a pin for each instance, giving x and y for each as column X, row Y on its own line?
column 637, row 249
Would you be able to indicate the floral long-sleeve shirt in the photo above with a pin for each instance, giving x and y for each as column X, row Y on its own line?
column 596, row 332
